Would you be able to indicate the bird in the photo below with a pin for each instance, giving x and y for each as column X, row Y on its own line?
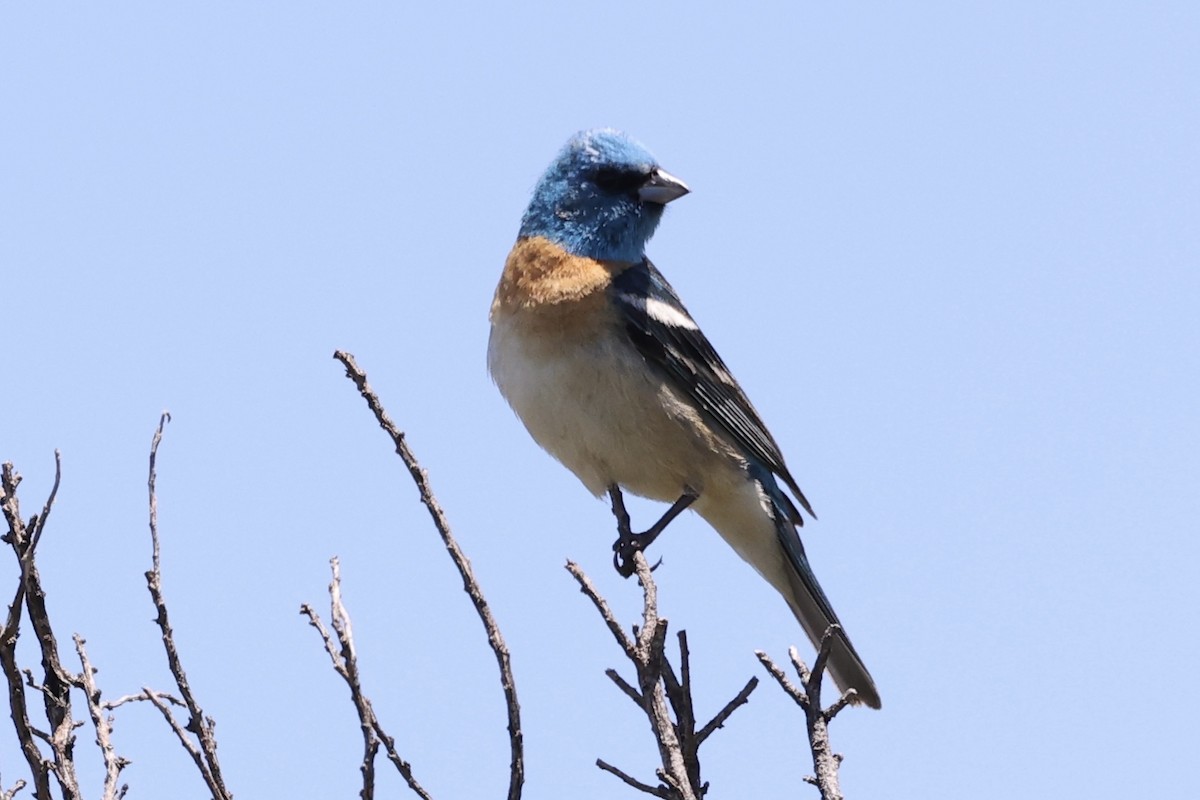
column 612, row 376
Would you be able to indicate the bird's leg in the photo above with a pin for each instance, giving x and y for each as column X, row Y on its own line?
column 628, row 542
column 618, row 509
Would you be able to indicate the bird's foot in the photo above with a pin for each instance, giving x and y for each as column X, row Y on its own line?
column 624, row 549
column 628, row 543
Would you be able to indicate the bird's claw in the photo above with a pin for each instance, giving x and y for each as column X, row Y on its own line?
column 624, row 549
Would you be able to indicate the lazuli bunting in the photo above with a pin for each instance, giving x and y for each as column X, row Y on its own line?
column 611, row 375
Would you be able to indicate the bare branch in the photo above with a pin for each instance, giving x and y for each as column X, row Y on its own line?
column 56, row 684
column 167, row 697
column 113, row 763
column 470, row 583
column 718, row 721
column 11, row 793
column 587, row 587
column 802, row 668
column 205, row 755
column 402, row 766
column 781, row 678
column 38, row 524
column 39, row 767
column 679, row 693
column 665, row 698
column 808, row 697
column 184, row 739
column 676, row 772
column 56, row 680
column 17, row 538
column 846, row 699
column 331, row 648
column 630, row 692
column 345, row 663
column 629, row 780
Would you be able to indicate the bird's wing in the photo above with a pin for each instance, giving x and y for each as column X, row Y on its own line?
column 666, row 335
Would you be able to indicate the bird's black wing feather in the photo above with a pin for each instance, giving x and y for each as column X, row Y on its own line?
column 666, row 335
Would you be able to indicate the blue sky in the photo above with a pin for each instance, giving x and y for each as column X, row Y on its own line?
column 950, row 250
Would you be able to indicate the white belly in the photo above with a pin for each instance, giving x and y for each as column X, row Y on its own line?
column 596, row 407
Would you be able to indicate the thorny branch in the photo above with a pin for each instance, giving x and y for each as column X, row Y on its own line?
column 345, row 663
column 665, row 698
column 808, row 697
column 470, row 583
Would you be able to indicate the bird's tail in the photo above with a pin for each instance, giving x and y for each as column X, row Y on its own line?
column 811, row 607
column 773, row 547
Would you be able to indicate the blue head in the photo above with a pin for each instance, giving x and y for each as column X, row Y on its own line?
column 602, row 197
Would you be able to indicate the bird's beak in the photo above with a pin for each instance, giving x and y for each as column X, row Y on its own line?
column 662, row 187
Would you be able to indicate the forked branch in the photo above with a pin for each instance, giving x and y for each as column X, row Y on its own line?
column 662, row 694
column 345, row 663
column 808, row 696
column 470, row 583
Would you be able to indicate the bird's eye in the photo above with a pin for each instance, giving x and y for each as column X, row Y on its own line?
column 618, row 181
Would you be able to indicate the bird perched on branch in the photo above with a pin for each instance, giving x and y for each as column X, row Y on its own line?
column 610, row 374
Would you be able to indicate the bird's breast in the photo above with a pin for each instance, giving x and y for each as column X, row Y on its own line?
column 569, row 370
column 550, row 293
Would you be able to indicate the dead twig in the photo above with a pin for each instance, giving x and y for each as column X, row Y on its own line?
column 113, row 763
column 57, row 681
column 180, row 733
column 470, row 583
column 657, row 791
column 20, row 539
column 665, row 698
column 345, row 663
column 718, row 721
column 808, row 697
column 204, row 750
column 140, row 697
column 9, row 794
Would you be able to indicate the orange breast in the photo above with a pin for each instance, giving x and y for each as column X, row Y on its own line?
column 545, row 289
